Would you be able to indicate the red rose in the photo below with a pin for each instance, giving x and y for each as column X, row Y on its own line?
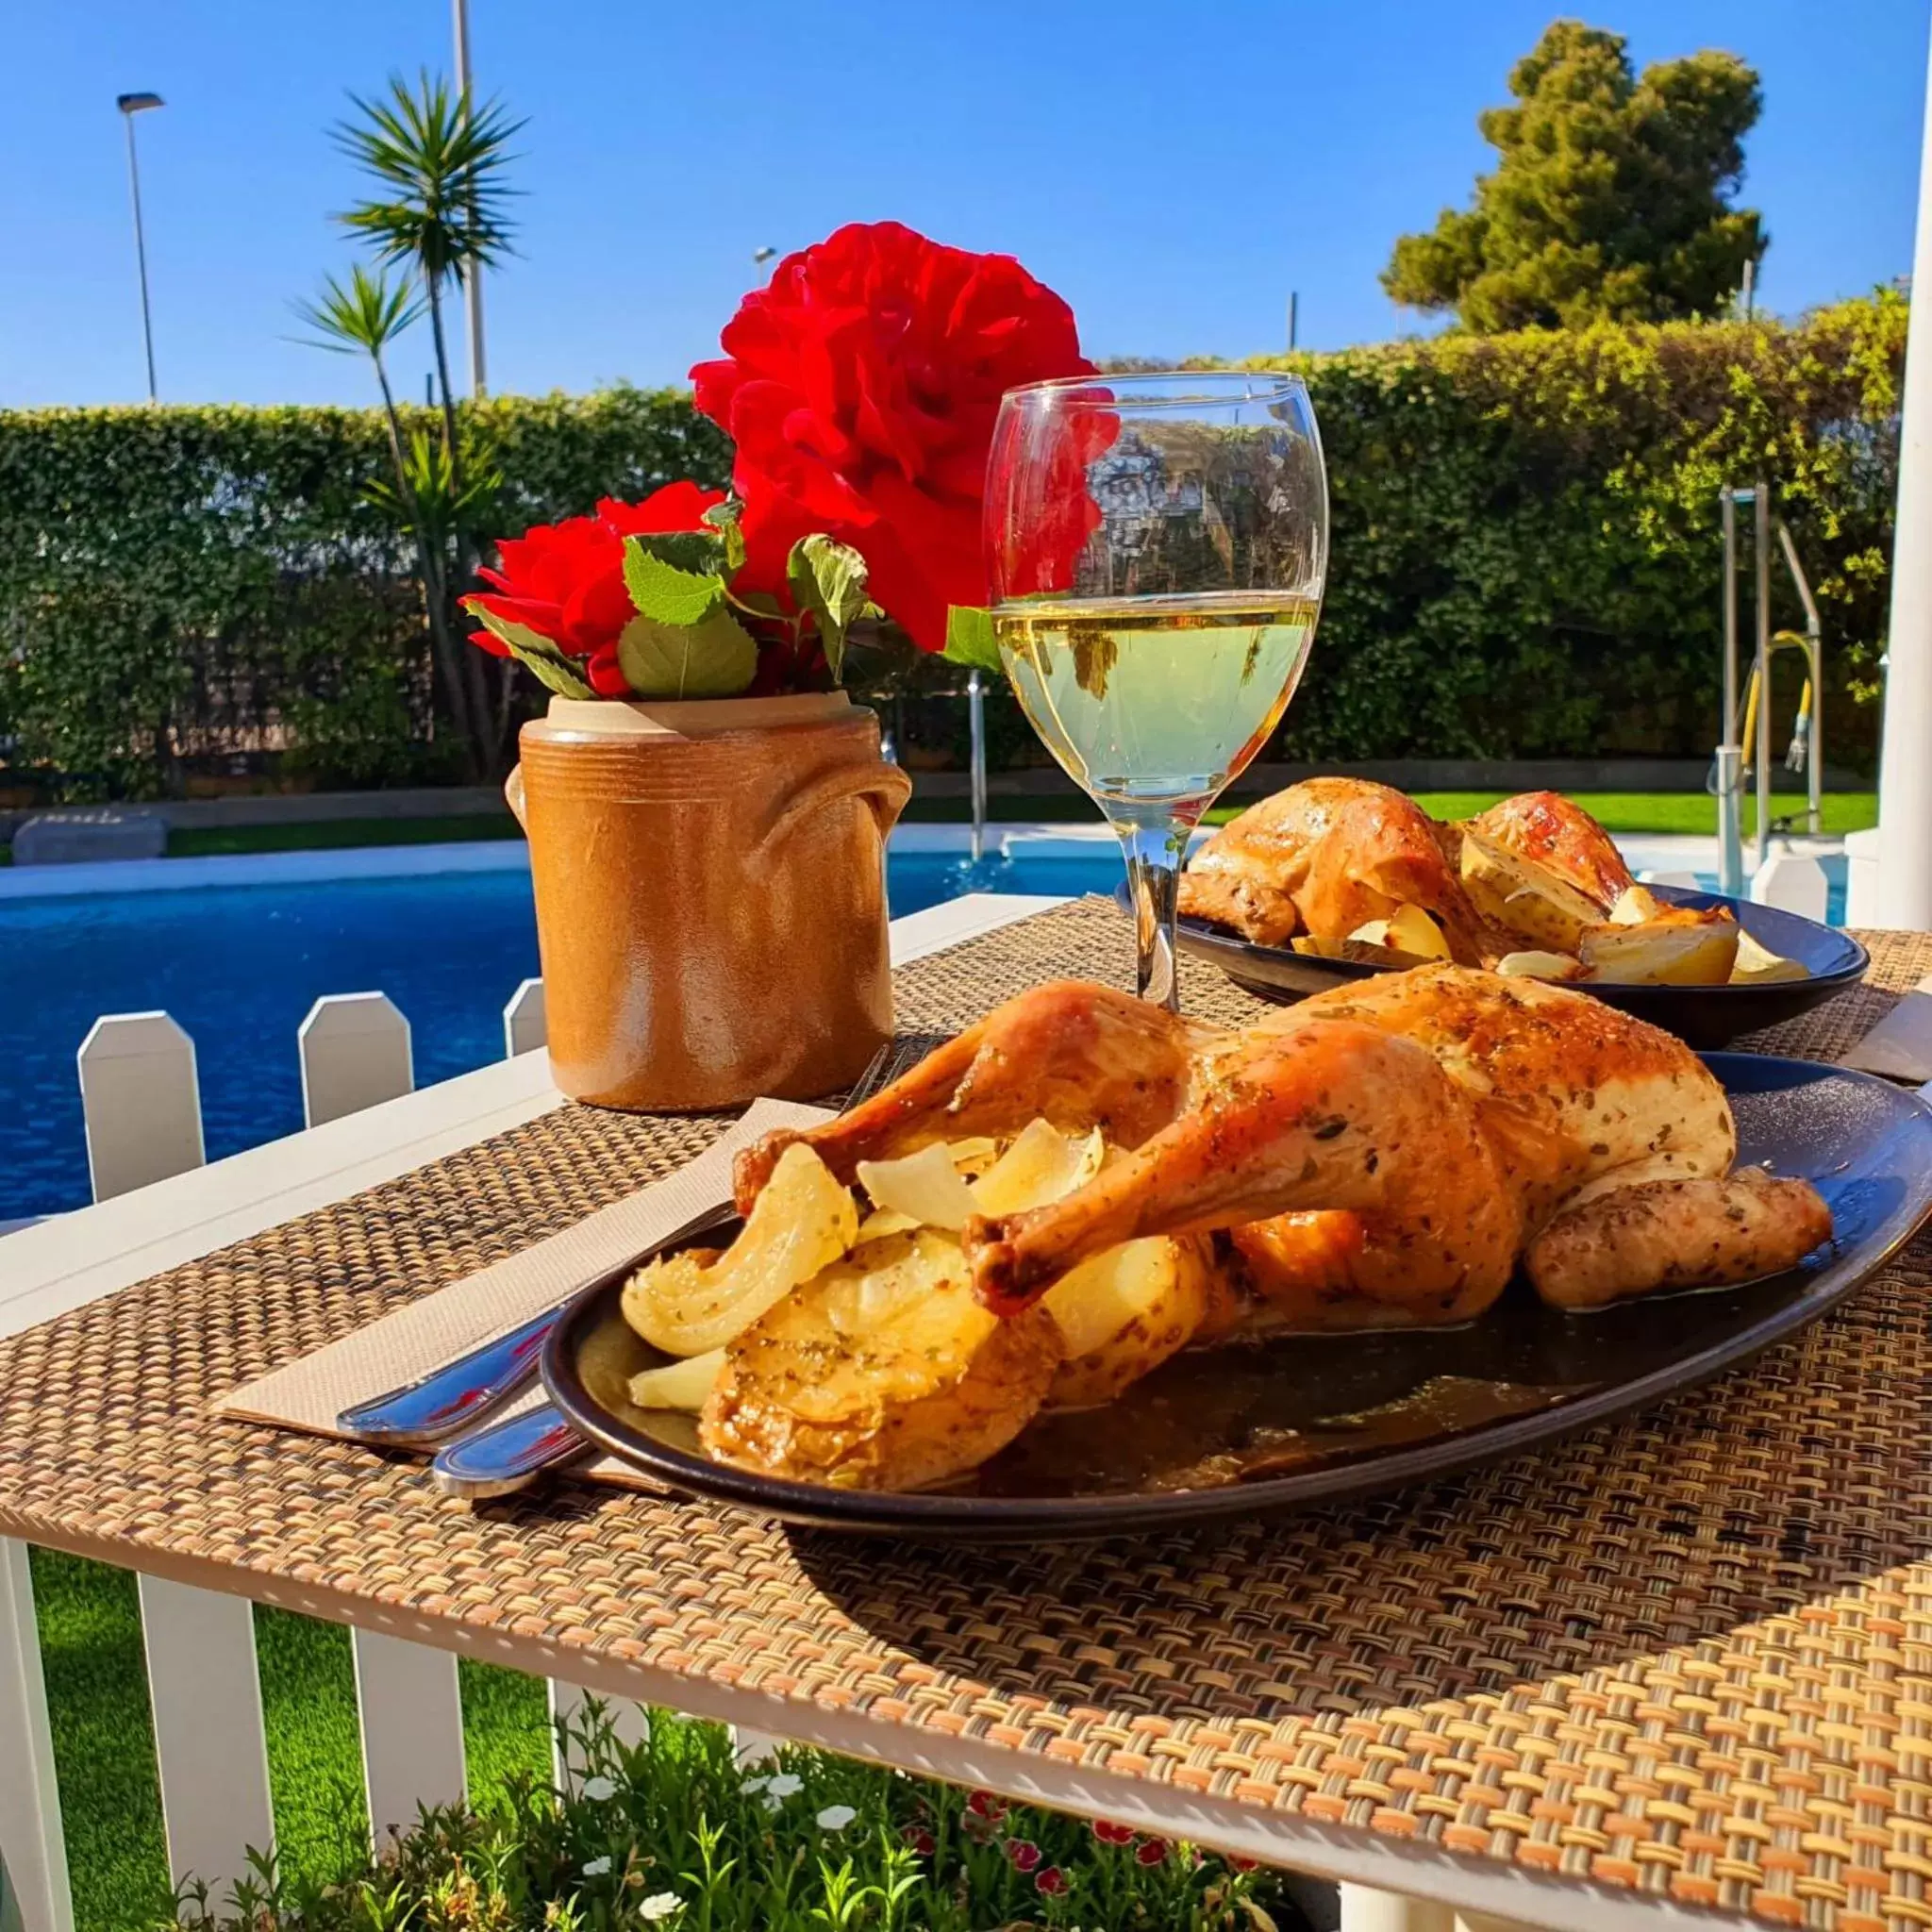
column 1153, row 1852
column 1022, row 1854
column 1112, row 1833
column 921, row 1839
column 565, row 582
column 860, row 387
column 1052, row 1881
column 984, row 1805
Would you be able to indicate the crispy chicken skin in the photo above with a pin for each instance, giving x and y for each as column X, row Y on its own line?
column 1327, row 856
column 1556, row 833
column 1384, row 1153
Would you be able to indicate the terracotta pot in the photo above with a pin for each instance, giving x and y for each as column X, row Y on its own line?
column 710, row 895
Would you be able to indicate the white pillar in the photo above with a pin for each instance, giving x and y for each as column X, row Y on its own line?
column 1905, row 780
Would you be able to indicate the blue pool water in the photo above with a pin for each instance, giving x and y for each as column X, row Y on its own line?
column 240, row 966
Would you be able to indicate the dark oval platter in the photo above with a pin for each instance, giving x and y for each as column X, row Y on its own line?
column 1299, row 1420
column 1705, row 1016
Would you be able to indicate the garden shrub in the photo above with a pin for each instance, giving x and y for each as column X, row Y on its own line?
column 1526, row 559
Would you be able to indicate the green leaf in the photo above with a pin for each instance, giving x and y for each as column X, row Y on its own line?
column 725, row 519
column 827, row 578
column 700, row 552
column 666, row 593
column 715, row 659
column 970, row 639
column 532, row 649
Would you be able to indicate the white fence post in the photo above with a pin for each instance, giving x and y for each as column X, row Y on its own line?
column 34, row 1894
column 525, row 1024
column 412, row 1729
column 354, row 1050
column 630, row 1724
column 1366, row 1911
column 356, row 1053
column 1794, row 882
column 208, row 1739
column 141, row 1100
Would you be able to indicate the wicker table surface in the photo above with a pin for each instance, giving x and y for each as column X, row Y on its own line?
column 1685, row 1658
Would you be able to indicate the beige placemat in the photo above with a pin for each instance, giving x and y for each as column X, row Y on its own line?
column 311, row 1392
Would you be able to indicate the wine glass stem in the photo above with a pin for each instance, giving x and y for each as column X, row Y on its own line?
column 1154, row 847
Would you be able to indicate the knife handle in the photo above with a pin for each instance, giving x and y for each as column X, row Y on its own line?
column 509, row 1456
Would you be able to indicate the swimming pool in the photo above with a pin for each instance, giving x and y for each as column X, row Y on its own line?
column 240, row 966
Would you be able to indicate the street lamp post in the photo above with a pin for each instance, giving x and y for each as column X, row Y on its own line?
column 472, row 280
column 131, row 104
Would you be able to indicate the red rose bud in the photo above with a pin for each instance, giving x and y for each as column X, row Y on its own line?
column 1242, row 1864
column 984, row 1805
column 1112, row 1833
column 1052, row 1881
column 1023, row 1853
column 1153, row 1852
column 921, row 1839
column 860, row 387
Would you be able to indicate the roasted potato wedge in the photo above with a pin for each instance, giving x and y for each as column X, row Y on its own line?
column 1124, row 1313
column 882, row 1372
column 1662, row 952
column 1558, row 967
column 689, row 1304
column 1358, row 951
column 1523, row 897
column 1757, row 965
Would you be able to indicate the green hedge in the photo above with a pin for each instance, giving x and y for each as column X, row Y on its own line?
column 186, row 590
column 1528, row 560
column 1525, row 554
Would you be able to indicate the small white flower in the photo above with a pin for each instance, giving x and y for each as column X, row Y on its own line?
column 599, row 1788
column 661, row 1905
column 785, row 1785
column 597, row 1868
column 772, row 1804
column 754, row 1784
column 836, row 1817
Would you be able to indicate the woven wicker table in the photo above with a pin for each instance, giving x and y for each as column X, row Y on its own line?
column 1677, row 1670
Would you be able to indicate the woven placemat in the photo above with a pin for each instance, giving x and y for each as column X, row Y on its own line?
column 1686, row 1654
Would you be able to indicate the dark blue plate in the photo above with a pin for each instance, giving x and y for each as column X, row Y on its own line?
column 1705, row 1016
column 1281, row 1424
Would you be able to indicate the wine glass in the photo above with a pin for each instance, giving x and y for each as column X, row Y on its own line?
column 1157, row 546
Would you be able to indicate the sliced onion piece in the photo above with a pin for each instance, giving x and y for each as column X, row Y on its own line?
column 925, row 1186
column 684, row 1385
column 1040, row 1166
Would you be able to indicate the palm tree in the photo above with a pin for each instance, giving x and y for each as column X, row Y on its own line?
column 438, row 161
column 364, row 316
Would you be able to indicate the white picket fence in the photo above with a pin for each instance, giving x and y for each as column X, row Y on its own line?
column 140, row 1098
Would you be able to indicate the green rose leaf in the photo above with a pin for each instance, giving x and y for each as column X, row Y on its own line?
column 827, row 578
column 970, row 639
column 715, row 659
column 676, row 578
column 724, row 518
column 546, row 662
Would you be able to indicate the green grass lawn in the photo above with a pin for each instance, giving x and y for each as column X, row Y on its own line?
column 104, row 1751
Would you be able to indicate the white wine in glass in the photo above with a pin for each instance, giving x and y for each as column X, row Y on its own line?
column 1158, row 549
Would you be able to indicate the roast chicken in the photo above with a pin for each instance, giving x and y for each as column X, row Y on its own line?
column 1330, row 856
column 1384, row 1154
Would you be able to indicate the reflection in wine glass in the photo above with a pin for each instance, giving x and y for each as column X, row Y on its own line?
column 1157, row 546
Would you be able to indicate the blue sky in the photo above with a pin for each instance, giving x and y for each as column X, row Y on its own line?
column 1172, row 169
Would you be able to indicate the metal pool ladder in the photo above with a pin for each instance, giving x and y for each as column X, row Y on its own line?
column 1746, row 749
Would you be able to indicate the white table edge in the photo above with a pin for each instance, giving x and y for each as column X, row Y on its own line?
column 65, row 1262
